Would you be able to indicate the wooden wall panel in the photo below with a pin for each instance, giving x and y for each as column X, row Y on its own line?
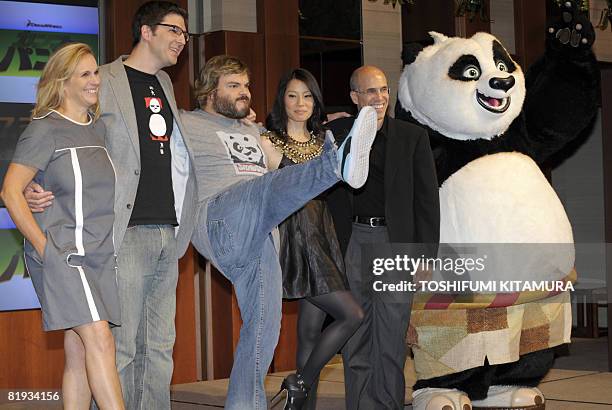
column 119, row 27
column 278, row 23
column 425, row 16
column 286, row 349
column 249, row 48
column 225, row 317
column 466, row 27
column 529, row 31
column 185, row 366
column 29, row 357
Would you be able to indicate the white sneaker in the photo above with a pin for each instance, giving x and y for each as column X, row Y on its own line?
column 440, row 399
column 511, row 397
column 354, row 153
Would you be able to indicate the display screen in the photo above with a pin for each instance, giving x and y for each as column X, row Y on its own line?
column 16, row 291
column 29, row 33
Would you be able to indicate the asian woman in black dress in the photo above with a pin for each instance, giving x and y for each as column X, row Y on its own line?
column 310, row 256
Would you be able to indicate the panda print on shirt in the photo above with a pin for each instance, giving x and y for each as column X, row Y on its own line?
column 154, row 203
column 244, row 152
column 153, row 114
column 157, row 123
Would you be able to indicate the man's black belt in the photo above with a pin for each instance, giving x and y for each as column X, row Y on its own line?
column 372, row 221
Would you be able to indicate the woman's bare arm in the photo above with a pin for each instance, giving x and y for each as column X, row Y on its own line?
column 273, row 155
column 17, row 178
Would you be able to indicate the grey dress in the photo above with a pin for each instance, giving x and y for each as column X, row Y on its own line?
column 76, row 279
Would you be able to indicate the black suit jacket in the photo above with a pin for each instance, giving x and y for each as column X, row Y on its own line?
column 412, row 206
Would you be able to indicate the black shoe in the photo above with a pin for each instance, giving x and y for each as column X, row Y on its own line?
column 296, row 392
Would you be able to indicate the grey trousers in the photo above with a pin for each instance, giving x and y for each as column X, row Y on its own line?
column 375, row 355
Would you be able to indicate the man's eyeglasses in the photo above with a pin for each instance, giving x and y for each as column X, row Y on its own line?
column 373, row 92
column 176, row 30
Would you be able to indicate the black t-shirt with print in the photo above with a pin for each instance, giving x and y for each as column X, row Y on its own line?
column 154, row 203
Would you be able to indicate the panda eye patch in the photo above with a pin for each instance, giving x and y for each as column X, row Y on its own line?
column 500, row 56
column 466, row 68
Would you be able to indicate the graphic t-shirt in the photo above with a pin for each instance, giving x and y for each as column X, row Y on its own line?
column 225, row 151
column 155, row 198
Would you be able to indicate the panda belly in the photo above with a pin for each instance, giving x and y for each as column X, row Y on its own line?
column 157, row 125
column 505, row 199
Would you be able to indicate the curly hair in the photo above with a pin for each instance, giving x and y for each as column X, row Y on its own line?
column 214, row 68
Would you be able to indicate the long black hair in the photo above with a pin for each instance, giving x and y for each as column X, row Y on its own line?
column 277, row 119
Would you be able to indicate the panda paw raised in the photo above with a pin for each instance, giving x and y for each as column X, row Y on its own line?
column 573, row 29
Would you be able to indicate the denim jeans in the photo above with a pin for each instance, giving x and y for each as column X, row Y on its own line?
column 234, row 232
column 147, row 278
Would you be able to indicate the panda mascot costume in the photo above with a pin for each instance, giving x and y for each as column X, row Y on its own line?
column 490, row 126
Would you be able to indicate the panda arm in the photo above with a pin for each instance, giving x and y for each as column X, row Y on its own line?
column 426, row 197
column 562, row 97
column 401, row 113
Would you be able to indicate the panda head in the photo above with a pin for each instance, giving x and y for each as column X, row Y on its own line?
column 244, row 147
column 463, row 88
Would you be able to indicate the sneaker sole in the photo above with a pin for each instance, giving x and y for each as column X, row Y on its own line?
column 534, row 407
column 362, row 137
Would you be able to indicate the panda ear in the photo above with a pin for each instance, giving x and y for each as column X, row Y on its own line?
column 410, row 52
column 438, row 37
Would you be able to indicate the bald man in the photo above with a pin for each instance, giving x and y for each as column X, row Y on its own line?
column 398, row 204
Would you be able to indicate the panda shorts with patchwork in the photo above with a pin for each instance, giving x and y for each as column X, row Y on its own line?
column 75, row 280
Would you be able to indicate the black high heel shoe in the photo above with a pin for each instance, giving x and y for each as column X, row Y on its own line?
column 297, row 393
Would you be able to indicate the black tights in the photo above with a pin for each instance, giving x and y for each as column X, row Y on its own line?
column 316, row 348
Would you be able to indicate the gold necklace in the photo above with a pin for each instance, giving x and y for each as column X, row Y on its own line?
column 311, row 140
column 297, row 151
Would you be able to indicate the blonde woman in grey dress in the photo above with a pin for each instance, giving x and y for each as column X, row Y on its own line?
column 69, row 249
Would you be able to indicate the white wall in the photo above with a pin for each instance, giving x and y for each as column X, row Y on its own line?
column 579, row 184
column 231, row 15
column 382, row 41
column 502, row 23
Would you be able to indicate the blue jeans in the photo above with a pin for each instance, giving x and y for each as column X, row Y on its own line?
column 234, row 233
column 147, row 278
